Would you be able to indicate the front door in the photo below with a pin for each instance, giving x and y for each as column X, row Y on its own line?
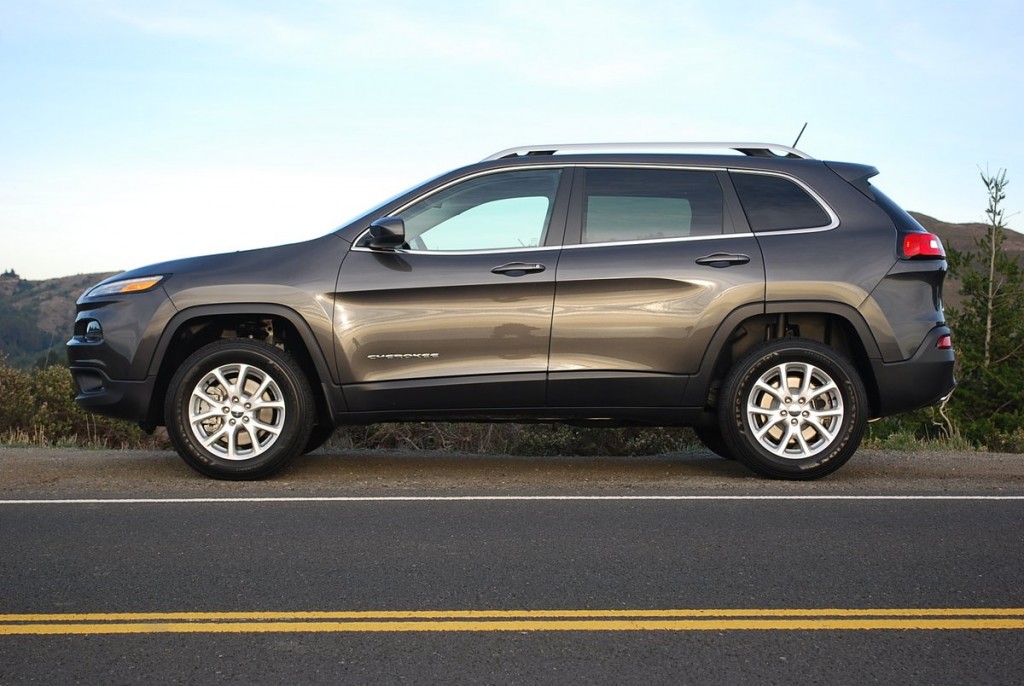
column 459, row 317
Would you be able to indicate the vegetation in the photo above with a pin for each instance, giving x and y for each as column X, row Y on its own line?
column 39, row 409
column 987, row 409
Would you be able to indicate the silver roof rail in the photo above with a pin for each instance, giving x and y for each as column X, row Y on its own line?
column 750, row 149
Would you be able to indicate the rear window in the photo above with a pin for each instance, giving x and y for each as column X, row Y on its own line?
column 774, row 203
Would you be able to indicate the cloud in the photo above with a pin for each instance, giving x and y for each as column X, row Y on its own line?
column 253, row 30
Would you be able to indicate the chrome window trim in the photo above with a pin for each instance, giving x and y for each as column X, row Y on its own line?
column 487, row 251
column 833, row 217
column 648, row 241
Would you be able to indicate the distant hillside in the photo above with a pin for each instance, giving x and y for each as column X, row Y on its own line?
column 37, row 317
column 962, row 237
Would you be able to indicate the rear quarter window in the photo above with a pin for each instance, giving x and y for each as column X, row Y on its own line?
column 775, row 203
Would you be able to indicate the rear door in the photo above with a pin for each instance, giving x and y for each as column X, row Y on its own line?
column 652, row 265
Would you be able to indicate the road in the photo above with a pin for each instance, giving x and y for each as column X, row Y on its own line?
column 124, row 567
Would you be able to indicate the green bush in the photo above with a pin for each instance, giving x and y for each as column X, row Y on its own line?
column 39, row 408
column 514, row 439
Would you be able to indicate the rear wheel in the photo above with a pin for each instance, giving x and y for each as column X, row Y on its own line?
column 793, row 409
column 239, row 409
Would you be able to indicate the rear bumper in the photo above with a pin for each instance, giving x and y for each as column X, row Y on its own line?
column 923, row 380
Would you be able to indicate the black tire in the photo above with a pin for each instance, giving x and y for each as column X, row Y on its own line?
column 806, row 431
column 239, row 409
column 319, row 436
column 711, row 437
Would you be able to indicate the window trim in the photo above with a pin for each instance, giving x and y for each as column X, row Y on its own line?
column 833, row 217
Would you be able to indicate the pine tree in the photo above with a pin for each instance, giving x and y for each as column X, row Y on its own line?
column 988, row 406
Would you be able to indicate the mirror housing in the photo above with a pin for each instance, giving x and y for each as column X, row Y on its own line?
column 387, row 233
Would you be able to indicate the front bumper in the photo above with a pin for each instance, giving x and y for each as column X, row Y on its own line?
column 113, row 397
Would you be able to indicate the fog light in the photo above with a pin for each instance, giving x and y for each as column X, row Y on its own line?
column 93, row 332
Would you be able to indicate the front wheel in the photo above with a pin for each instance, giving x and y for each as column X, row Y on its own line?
column 239, row 409
column 793, row 409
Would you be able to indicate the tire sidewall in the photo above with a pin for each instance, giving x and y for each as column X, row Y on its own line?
column 272, row 361
column 736, row 428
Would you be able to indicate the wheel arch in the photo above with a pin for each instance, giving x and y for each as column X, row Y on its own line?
column 839, row 326
column 191, row 329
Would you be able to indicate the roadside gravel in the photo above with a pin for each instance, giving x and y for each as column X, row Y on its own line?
column 62, row 473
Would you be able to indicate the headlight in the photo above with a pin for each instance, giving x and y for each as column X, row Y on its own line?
column 125, row 286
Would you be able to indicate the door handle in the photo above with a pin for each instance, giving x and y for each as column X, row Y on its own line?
column 720, row 260
column 518, row 268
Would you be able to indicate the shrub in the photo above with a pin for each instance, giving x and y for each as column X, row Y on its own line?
column 39, row 408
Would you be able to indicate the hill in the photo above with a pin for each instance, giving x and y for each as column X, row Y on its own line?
column 38, row 316
column 962, row 237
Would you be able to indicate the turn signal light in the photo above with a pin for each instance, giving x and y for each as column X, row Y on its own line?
column 922, row 245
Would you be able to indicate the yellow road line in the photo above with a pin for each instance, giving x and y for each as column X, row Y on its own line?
column 517, row 614
column 837, row 619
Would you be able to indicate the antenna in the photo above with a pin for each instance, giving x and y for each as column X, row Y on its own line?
column 802, row 128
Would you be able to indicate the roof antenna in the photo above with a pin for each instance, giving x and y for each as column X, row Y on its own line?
column 804, row 127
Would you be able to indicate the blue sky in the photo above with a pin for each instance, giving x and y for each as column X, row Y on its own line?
column 137, row 131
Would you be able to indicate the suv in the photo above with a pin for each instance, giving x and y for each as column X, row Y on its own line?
column 773, row 302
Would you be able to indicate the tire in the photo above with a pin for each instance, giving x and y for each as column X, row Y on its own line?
column 320, row 434
column 239, row 430
column 805, row 433
column 711, row 437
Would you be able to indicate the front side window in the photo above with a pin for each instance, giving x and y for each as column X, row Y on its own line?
column 650, row 204
column 774, row 203
column 493, row 212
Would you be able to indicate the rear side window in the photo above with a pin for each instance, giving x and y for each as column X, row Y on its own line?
column 650, row 204
column 774, row 203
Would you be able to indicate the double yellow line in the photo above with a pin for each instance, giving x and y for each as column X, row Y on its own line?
column 514, row 620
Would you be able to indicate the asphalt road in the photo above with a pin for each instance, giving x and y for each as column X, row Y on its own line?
column 388, row 568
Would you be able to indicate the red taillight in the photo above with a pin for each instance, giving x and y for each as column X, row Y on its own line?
column 922, row 245
column 945, row 342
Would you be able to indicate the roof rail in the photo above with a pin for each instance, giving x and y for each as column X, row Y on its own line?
column 750, row 149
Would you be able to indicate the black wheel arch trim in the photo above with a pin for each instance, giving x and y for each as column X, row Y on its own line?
column 181, row 318
column 847, row 312
column 697, row 391
column 332, row 395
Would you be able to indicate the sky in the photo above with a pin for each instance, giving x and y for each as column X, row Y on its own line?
column 137, row 131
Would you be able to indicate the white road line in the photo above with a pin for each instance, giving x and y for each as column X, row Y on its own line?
column 495, row 498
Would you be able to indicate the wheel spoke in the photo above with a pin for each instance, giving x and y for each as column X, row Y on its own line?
column 770, row 390
column 246, row 421
column 780, row 410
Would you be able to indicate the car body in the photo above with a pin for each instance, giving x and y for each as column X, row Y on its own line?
column 657, row 284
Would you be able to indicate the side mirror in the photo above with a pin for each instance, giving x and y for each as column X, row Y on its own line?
column 387, row 233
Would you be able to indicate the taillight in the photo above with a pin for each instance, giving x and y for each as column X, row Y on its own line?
column 944, row 342
column 922, row 245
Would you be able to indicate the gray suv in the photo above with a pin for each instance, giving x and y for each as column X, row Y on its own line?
column 773, row 302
